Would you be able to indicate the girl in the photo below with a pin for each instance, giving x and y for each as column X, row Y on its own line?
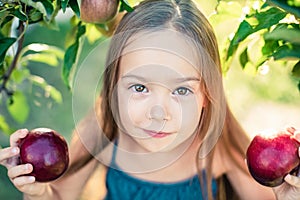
column 161, row 128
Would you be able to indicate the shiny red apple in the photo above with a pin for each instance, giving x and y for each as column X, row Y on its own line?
column 47, row 151
column 271, row 158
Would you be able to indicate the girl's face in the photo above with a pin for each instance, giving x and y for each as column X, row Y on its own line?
column 159, row 93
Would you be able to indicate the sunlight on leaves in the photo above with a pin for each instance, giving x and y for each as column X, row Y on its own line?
column 49, row 90
column 19, row 109
column 3, row 125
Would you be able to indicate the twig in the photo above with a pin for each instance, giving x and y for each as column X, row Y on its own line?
column 13, row 65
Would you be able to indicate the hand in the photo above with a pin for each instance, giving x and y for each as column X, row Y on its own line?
column 9, row 157
column 290, row 189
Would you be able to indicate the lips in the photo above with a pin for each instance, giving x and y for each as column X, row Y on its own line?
column 155, row 134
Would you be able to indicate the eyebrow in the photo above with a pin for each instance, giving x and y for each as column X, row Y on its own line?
column 177, row 80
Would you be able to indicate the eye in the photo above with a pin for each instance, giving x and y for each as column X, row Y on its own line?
column 183, row 91
column 139, row 88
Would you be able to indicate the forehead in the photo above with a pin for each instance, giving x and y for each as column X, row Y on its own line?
column 164, row 51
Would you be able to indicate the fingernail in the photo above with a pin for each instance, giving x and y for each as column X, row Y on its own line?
column 288, row 177
column 24, row 130
column 28, row 166
column 31, row 179
column 15, row 150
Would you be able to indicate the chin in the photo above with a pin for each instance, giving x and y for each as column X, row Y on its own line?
column 169, row 144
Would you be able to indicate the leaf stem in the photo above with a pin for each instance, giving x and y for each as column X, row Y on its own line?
column 6, row 76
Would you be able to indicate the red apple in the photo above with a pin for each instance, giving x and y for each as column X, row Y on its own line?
column 271, row 158
column 47, row 151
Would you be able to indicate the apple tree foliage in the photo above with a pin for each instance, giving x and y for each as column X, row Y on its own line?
column 16, row 16
column 268, row 31
column 274, row 22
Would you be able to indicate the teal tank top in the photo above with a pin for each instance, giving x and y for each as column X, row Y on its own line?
column 122, row 186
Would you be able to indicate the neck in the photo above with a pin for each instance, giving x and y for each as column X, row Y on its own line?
column 158, row 166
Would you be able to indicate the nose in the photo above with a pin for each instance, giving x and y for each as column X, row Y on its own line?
column 158, row 112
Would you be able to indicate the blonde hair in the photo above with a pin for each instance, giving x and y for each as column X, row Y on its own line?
column 182, row 16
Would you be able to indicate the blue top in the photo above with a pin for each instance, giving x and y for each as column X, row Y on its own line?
column 121, row 185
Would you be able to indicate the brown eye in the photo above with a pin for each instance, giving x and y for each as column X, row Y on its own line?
column 139, row 88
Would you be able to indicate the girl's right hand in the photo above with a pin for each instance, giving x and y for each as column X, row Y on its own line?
column 9, row 157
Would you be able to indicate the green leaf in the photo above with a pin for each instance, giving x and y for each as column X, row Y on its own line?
column 54, row 93
column 244, row 58
column 42, row 53
column 296, row 70
column 35, row 16
column 259, row 20
column 92, row 34
column 46, row 58
column 285, row 6
column 48, row 7
column 69, row 60
column 6, row 27
column 19, row 13
column 18, row 75
column 37, row 47
column 125, row 6
column 286, row 33
column 287, row 51
column 71, row 55
column 243, row 31
column 3, row 125
column 64, row 4
column 5, row 43
column 75, row 7
column 40, row 6
column 269, row 47
column 50, row 91
column 267, row 18
column 80, row 31
column 19, row 109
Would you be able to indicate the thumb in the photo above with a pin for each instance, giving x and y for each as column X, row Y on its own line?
column 14, row 140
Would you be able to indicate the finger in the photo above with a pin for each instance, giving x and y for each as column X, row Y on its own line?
column 19, row 170
column 16, row 136
column 8, row 153
column 292, row 180
column 290, row 129
column 21, row 181
column 31, row 188
column 297, row 134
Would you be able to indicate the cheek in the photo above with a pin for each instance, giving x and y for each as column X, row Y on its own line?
column 132, row 112
column 191, row 113
column 136, row 112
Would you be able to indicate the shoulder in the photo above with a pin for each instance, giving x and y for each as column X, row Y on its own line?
column 94, row 188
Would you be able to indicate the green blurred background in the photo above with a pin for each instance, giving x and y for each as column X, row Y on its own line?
column 267, row 99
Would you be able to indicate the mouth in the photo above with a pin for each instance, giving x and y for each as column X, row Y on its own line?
column 156, row 134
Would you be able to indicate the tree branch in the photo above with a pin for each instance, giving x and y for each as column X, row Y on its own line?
column 6, row 76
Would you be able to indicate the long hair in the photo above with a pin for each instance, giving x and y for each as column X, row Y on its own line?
column 216, row 120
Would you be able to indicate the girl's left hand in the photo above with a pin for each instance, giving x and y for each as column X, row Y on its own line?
column 290, row 189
